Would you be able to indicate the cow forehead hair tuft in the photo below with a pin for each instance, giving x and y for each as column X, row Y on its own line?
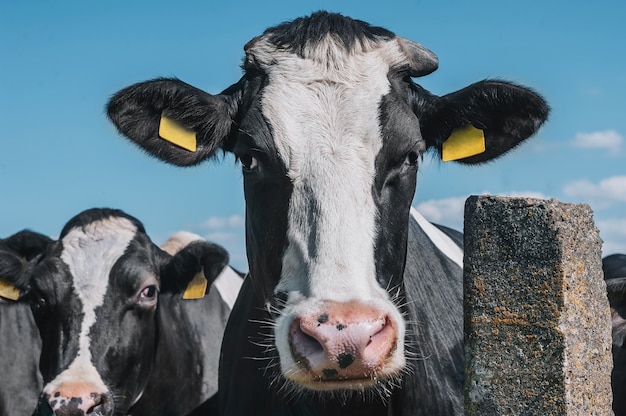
column 306, row 33
column 89, row 216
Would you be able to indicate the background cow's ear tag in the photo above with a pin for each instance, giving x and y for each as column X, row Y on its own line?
column 174, row 132
column 465, row 142
column 8, row 291
column 196, row 288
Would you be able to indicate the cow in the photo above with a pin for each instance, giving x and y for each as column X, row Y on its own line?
column 349, row 306
column 614, row 267
column 20, row 344
column 119, row 334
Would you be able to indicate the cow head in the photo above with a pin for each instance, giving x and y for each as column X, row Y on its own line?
column 329, row 128
column 94, row 295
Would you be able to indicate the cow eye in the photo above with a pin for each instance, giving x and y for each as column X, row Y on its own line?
column 412, row 158
column 148, row 294
column 248, row 162
column 38, row 302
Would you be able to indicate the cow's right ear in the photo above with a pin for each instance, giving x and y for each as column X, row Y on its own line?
column 174, row 121
column 17, row 252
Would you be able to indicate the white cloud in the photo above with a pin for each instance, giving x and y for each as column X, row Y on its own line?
column 599, row 195
column 228, row 231
column 613, row 234
column 234, row 221
column 222, row 238
column 526, row 194
column 614, row 227
column 234, row 242
column 447, row 211
column 608, row 139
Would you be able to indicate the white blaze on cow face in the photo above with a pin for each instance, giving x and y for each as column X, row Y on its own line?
column 323, row 109
column 90, row 253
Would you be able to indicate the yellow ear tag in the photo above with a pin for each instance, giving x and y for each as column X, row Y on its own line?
column 174, row 132
column 196, row 288
column 8, row 291
column 465, row 142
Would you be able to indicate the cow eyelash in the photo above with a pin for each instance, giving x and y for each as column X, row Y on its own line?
column 248, row 162
column 148, row 294
column 412, row 158
column 38, row 302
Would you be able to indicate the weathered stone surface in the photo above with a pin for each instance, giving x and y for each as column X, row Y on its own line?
column 537, row 320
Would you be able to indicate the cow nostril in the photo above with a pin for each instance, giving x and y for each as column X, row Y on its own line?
column 92, row 404
column 304, row 344
column 381, row 343
column 98, row 407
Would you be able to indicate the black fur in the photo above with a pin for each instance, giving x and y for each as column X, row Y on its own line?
column 20, row 344
column 307, row 32
column 209, row 116
column 614, row 267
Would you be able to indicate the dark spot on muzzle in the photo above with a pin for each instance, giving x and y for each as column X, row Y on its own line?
column 329, row 372
column 340, row 327
column 323, row 318
column 345, row 360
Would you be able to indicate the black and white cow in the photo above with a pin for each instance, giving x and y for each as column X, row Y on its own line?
column 614, row 267
column 349, row 307
column 20, row 344
column 117, row 336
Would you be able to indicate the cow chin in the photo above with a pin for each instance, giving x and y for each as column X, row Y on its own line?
column 328, row 346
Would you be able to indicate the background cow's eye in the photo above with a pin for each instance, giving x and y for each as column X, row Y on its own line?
column 38, row 302
column 148, row 294
column 248, row 162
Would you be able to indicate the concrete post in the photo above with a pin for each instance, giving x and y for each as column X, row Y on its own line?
column 537, row 320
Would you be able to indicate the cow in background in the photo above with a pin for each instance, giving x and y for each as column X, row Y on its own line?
column 614, row 267
column 117, row 336
column 20, row 344
column 350, row 306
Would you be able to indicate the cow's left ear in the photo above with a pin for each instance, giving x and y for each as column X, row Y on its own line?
column 480, row 122
column 196, row 257
column 16, row 254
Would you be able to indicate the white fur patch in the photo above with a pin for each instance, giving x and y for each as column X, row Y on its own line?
column 324, row 114
column 439, row 239
column 90, row 253
column 228, row 283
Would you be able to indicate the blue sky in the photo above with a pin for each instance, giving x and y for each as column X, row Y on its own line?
column 62, row 60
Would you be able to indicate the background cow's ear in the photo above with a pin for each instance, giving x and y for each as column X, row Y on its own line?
column 507, row 114
column 137, row 112
column 190, row 260
column 16, row 254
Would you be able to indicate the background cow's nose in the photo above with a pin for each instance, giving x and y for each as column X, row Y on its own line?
column 343, row 341
column 75, row 399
